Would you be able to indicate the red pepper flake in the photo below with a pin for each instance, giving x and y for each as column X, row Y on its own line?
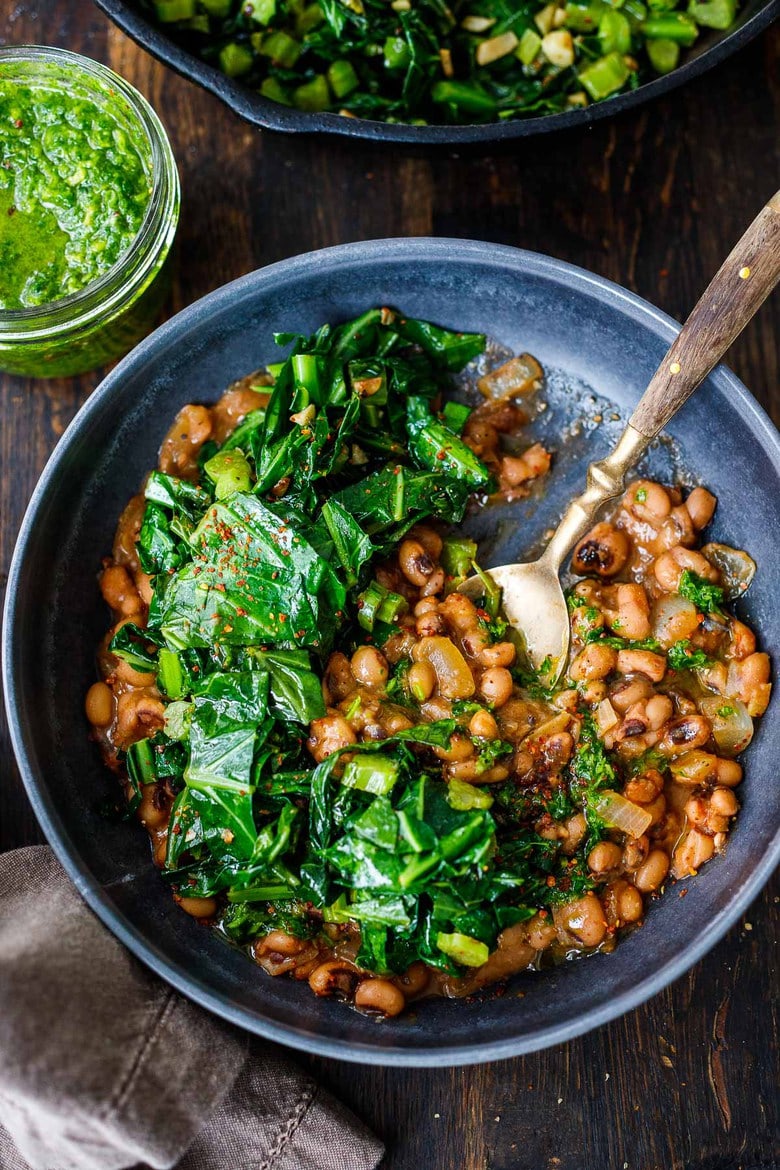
column 241, row 612
column 550, row 881
column 176, row 829
column 11, row 211
column 282, row 617
column 18, row 123
column 441, row 454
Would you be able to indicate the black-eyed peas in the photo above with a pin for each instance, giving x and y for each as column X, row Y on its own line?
column 604, row 551
column 380, row 995
column 496, row 686
column 369, row 667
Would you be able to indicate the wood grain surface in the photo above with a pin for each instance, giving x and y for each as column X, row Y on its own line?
column 654, row 200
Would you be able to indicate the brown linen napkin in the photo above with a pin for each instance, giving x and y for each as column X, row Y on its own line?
column 103, row 1066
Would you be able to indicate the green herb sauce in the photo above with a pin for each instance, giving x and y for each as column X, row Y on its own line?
column 74, row 189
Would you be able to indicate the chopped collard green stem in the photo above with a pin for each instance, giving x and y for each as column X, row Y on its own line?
column 428, row 62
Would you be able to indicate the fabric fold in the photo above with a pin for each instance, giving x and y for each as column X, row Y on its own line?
column 104, row 1067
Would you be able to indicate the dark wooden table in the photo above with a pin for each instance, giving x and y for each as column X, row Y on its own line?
column 653, row 200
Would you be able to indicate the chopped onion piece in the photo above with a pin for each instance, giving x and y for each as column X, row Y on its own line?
column 520, row 375
column 732, row 726
column 737, row 569
column 674, row 619
column 606, row 716
column 619, row 813
column 453, row 675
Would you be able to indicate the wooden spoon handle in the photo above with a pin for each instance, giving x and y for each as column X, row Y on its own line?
column 734, row 295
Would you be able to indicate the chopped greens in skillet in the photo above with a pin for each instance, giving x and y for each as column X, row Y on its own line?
column 424, row 61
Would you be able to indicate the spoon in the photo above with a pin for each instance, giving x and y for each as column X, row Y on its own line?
column 532, row 597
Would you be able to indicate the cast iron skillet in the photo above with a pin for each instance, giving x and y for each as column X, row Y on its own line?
column 710, row 48
column 572, row 321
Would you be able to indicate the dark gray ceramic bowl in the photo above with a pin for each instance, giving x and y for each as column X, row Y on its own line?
column 710, row 48
column 573, row 322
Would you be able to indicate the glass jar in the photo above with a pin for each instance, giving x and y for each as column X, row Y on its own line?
column 108, row 316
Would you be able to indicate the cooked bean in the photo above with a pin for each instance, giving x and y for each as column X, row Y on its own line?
column 604, row 550
column 582, row 920
column 429, row 539
column 199, row 907
column 416, row 564
column 752, row 681
column 724, row 802
column 729, row 772
column 460, row 748
column 99, row 704
column 281, row 943
column 635, row 851
column 138, row 714
column 684, row 734
column 742, row 640
column 429, row 625
column 658, row 710
column 499, row 654
column 414, row 980
column 369, row 666
column 647, row 501
column 496, row 685
column 575, row 829
column 594, row 662
column 643, row 789
column 691, row 854
column 136, row 678
column 474, row 642
column 642, row 662
column 593, row 692
column 327, row 735
column 434, row 584
column 652, row 872
column 671, row 564
column 182, row 444
column 631, row 619
column 541, row 932
column 395, row 721
column 380, row 995
column 625, row 695
column 422, row 680
column 119, row 590
column 153, row 808
column 483, row 725
column 701, row 505
column 605, row 856
column 426, row 605
column 334, row 977
column 630, row 906
column 339, row 679
column 459, row 613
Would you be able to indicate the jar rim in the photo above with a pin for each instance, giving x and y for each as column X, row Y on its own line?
column 109, row 292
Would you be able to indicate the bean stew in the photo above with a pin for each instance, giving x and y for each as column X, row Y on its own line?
column 346, row 766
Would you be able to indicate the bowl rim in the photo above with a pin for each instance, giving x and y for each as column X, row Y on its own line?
column 269, row 115
column 190, row 982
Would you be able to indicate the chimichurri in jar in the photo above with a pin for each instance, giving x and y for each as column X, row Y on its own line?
column 74, row 189
column 89, row 206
